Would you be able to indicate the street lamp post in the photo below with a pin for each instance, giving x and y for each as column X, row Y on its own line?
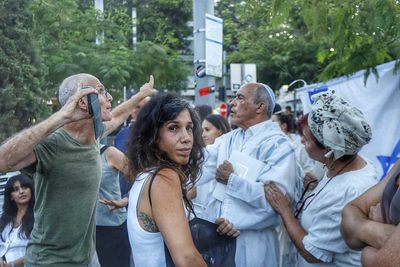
column 294, row 95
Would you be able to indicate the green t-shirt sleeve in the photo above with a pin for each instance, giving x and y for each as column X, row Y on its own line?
column 45, row 153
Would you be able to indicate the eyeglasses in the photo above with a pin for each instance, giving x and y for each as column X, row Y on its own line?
column 301, row 202
column 103, row 91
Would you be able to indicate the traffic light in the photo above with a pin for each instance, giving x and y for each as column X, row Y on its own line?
column 222, row 94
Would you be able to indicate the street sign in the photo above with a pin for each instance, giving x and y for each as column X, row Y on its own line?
column 242, row 74
column 223, row 109
column 206, row 90
column 213, row 46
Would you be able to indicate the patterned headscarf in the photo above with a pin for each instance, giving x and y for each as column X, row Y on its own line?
column 337, row 125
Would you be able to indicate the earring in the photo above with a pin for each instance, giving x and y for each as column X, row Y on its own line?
column 328, row 154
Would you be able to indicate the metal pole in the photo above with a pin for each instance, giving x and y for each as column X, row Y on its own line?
column 99, row 5
column 200, row 8
column 294, row 95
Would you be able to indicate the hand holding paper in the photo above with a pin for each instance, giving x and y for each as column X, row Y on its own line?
column 223, row 172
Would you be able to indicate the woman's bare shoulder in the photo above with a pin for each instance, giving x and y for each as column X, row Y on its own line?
column 168, row 176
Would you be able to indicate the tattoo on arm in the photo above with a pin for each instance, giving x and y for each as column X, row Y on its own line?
column 147, row 222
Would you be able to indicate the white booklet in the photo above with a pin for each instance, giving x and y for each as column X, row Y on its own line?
column 244, row 166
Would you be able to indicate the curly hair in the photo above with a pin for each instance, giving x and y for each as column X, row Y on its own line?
column 10, row 208
column 143, row 150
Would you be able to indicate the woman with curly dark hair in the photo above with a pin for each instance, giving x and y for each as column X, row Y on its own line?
column 165, row 151
column 16, row 222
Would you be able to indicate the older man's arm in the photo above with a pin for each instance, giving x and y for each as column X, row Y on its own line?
column 18, row 151
column 358, row 230
column 122, row 111
column 386, row 256
column 249, row 196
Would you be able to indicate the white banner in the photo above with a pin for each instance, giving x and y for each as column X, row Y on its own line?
column 379, row 100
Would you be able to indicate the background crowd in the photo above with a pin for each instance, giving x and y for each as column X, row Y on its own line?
column 277, row 191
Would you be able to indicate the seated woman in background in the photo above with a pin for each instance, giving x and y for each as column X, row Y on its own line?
column 165, row 151
column 214, row 126
column 333, row 133
column 16, row 222
column 371, row 222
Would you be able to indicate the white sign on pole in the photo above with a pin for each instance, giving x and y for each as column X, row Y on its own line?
column 236, row 77
column 241, row 74
column 213, row 45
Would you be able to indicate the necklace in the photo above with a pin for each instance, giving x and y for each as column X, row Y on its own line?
column 314, row 195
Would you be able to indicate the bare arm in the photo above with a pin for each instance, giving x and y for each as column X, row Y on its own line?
column 117, row 160
column 357, row 229
column 122, row 111
column 169, row 215
column 387, row 256
column 281, row 204
column 18, row 151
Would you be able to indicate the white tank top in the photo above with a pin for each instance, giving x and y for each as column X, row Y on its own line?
column 147, row 248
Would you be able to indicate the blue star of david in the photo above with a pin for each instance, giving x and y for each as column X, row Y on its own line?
column 388, row 161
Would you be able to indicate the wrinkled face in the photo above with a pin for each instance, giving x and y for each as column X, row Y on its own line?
column 210, row 132
column 313, row 150
column 21, row 195
column 176, row 138
column 105, row 98
column 243, row 106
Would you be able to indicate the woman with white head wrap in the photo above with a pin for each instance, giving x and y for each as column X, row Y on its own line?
column 333, row 133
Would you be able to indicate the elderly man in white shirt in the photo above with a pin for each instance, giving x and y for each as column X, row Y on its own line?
column 237, row 167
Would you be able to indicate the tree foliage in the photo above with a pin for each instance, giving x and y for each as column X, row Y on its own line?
column 68, row 46
column 42, row 42
column 22, row 97
column 164, row 22
column 282, row 53
column 361, row 34
column 312, row 40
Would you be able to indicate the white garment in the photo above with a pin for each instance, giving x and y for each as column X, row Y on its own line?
column 321, row 218
column 244, row 202
column 306, row 163
column 13, row 247
column 147, row 248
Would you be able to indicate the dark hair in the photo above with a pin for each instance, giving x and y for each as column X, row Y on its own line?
column 10, row 208
column 143, row 150
column 283, row 118
column 277, row 108
column 203, row 111
column 219, row 122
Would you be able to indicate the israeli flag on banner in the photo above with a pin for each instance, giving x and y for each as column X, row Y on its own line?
column 379, row 100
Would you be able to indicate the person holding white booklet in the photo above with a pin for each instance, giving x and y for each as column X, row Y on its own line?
column 237, row 167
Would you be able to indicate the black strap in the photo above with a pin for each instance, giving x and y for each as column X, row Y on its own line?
column 185, row 199
column 103, row 149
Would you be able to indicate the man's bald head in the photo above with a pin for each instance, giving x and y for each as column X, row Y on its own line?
column 70, row 85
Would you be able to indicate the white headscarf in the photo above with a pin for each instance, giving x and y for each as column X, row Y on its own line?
column 337, row 125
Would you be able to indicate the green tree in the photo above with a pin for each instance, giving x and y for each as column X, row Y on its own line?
column 164, row 22
column 23, row 100
column 168, row 69
column 361, row 34
column 313, row 40
column 66, row 33
column 282, row 53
